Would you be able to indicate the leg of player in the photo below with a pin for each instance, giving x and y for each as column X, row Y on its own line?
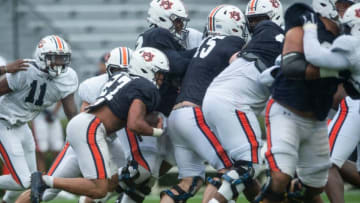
column 11, row 196
column 17, row 150
column 335, row 186
column 350, row 173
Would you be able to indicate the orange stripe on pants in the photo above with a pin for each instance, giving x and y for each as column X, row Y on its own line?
column 94, row 148
column 58, row 159
column 135, row 150
column 269, row 156
column 338, row 124
column 9, row 165
column 212, row 138
column 249, row 132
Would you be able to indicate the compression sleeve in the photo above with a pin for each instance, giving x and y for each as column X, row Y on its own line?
column 320, row 56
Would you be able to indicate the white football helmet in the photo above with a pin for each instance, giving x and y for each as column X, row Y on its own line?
column 170, row 15
column 351, row 20
column 147, row 61
column 227, row 20
column 118, row 59
column 53, row 55
column 271, row 8
column 326, row 8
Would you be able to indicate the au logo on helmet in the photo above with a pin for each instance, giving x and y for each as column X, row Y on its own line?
column 357, row 13
column 275, row 3
column 166, row 4
column 148, row 56
column 235, row 15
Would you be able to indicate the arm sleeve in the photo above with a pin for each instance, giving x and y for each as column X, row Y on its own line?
column 320, row 56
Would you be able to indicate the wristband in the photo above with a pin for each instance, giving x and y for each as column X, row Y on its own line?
column 157, row 132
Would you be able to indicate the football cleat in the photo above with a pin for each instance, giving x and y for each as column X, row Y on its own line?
column 37, row 187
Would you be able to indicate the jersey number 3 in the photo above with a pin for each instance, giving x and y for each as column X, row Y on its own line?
column 31, row 95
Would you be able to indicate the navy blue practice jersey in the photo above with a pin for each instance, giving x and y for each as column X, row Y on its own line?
column 179, row 59
column 266, row 42
column 119, row 93
column 211, row 58
column 306, row 95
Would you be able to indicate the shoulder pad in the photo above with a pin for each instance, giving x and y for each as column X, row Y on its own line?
column 293, row 14
column 345, row 43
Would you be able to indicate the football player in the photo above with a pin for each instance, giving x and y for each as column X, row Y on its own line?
column 232, row 103
column 342, row 129
column 168, row 20
column 295, row 116
column 259, row 10
column 66, row 164
column 191, row 137
column 126, row 101
column 46, row 80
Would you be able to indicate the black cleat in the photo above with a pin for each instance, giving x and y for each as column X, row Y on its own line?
column 37, row 187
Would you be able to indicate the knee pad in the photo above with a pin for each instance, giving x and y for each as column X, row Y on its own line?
column 245, row 170
column 135, row 178
column 268, row 193
column 183, row 196
column 235, row 180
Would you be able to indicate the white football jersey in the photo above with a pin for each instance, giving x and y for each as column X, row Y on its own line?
column 349, row 46
column 90, row 89
column 238, row 85
column 32, row 92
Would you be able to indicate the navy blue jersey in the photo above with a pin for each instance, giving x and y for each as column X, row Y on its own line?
column 179, row 59
column 120, row 92
column 306, row 95
column 266, row 42
column 210, row 59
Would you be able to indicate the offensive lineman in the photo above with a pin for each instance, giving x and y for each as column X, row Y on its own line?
column 235, row 98
column 226, row 32
column 301, row 101
column 343, row 131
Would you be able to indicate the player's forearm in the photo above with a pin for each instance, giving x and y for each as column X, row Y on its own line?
column 140, row 126
column 320, row 56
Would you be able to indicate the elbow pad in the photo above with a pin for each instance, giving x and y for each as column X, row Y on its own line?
column 294, row 65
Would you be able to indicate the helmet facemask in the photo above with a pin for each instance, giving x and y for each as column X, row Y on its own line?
column 178, row 29
column 253, row 20
column 56, row 63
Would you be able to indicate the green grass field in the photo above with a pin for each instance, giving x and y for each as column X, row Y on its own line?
column 352, row 196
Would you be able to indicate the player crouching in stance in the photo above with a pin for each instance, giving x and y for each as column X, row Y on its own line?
column 127, row 101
